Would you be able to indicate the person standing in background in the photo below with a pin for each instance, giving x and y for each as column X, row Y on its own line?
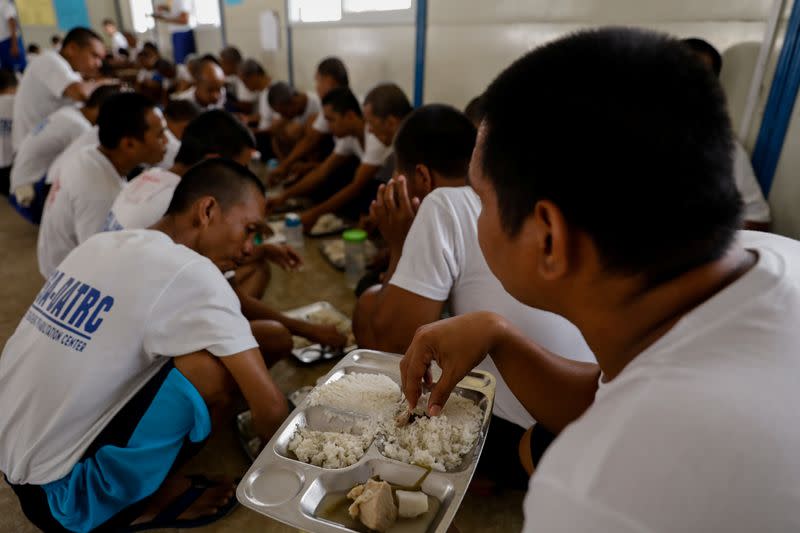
column 116, row 39
column 8, row 88
column 178, row 14
column 12, row 51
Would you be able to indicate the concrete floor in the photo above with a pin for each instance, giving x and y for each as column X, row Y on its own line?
column 222, row 455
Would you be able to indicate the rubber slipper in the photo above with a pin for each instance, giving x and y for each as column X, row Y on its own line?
column 168, row 517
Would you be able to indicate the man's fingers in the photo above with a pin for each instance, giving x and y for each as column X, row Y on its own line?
column 440, row 392
column 413, row 367
column 402, row 195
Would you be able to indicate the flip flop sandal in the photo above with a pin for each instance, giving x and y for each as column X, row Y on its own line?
column 168, row 517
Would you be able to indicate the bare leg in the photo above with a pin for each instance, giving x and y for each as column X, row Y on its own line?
column 274, row 340
column 216, row 386
column 525, row 452
column 252, row 278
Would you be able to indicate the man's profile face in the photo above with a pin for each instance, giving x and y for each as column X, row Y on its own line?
column 379, row 127
column 338, row 122
column 86, row 59
column 153, row 146
column 504, row 255
column 228, row 239
column 324, row 84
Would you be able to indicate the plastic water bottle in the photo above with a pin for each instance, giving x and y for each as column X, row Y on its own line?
column 354, row 256
column 293, row 229
column 272, row 164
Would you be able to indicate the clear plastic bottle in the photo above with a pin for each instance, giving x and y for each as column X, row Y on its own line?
column 354, row 256
column 293, row 229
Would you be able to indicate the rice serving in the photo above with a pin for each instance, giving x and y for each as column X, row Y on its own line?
column 438, row 442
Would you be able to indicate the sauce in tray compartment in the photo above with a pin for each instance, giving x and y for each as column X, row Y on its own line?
column 334, row 505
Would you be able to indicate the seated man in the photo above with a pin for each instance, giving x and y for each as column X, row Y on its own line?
column 131, row 132
column 178, row 114
column 118, row 41
column 331, row 74
column 297, row 112
column 133, row 350
column 56, row 78
column 441, row 264
column 41, row 146
column 209, row 88
column 694, row 325
column 145, row 199
column 257, row 80
column 756, row 209
column 238, row 97
column 385, row 107
column 352, row 140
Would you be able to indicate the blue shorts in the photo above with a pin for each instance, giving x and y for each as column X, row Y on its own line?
column 33, row 213
column 163, row 425
column 16, row 64
column 183, row 45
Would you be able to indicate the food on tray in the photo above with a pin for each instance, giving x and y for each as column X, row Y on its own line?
column 327, row 223
column 411, row 503
column 373, row 505
column 334, row 251
column 328, row 449
column 438, row 442
column 327, row 316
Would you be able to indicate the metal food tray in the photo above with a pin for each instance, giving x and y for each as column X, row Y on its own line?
column 345, row 225
column 248, row 439
column 291, row 491
column 315, row 352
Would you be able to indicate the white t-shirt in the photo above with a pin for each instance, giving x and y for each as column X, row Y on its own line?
column 182, row 73
column 143, row 200
column 442, row 260
column 313, row 107
column 6, row 124
column 104, row 323
column 45, row 143
column 267, row 114
column 118, row 41
column 321, row 123
column 374, row 152
column 240, row 90
column 7, row 11
column 189, row 94
column 41, row 92
column 87, row 138
column 173, row 145
column 176, row 9
column 77, row 205
column 701, row 431
column 756, row 208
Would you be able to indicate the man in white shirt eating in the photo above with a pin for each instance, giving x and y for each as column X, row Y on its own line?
column 134, row 350
column 43, row 145
column 209, row 89
column 131, row 132
column 145, row 200
column 353, row 141
column 118, row 41
column 56, row 78
column 689, row 421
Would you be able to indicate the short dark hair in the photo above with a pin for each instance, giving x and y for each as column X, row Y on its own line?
column 251, row 67
column 214, row 132
column 281, row 93
column 109, row 22
column 182, row 110
column 150, row 45
column 334, row 68
column 80, row 36
column 100, row 95
column 644, row 166
column 699, row 46
column 34, row 48
column 231, row 53
column 55, row 39
column 8, row 79
column 208, row 58
column 342, row 100
column 226, row 180
column 123, row 115
column 438, row 136
column 387, row 99
column 475, row 110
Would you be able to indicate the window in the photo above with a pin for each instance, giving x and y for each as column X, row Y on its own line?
column 142, row 11
column 351, row 11
column 207, row 12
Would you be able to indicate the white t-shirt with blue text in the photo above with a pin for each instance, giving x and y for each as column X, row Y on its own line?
column 108, row 317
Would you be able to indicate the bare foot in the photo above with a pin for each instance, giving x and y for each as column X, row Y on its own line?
column 209, row 502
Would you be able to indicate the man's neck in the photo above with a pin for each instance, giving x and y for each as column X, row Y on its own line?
column 179, row 169
column 359, row 133
column 620, row 318
column 122, row 165
column 172, row 228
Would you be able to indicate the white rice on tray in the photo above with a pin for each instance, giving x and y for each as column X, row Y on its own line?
column 439, row 442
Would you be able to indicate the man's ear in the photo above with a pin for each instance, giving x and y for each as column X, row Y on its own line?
column 548, row 231
column 205, row 210
column 423, row 179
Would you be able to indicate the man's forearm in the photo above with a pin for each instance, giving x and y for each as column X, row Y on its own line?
column 254, row 309
column 302, row 148
column 555, row 390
